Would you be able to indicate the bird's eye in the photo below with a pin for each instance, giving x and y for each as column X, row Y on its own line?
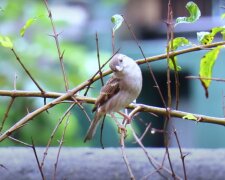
column 121, row 60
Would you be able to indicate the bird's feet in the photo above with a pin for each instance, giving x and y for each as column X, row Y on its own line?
column 126, row 119
column 122, row 130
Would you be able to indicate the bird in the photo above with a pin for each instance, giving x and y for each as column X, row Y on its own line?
column 120, row 90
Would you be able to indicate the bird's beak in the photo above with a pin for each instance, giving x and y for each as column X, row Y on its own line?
column 118, row 68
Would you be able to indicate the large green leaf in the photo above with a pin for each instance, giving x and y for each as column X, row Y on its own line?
column 206, row 67
column 194, row 12
column 117, row 20
column 6, row 42
column 173, row 45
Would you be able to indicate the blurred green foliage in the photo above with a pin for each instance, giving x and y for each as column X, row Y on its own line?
column 37, row 50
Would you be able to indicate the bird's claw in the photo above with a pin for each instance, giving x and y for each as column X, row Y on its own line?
column 122, row 129
column 126, row 120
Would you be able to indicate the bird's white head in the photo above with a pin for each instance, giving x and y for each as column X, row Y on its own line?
column 120, row 62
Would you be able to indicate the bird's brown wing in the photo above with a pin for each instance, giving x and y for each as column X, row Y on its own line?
column 108, row 90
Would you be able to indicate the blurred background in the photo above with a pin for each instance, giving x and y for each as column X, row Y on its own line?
column 77, row 21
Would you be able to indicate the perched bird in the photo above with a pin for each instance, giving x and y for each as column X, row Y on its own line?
column 120, row 90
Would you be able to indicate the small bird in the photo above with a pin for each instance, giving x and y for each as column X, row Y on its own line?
column 120, row 90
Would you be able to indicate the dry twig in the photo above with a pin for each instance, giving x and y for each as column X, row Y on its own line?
column 60, row 147
column 122, row 137
column 60, row 54
column 7, row 112
column 36, row 157
column 53, row 133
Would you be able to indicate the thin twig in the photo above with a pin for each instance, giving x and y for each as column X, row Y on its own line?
column 122, row 137
column 60, row 146
column 81, row 107
column 7, row 112
column 113, row 41
column 53, row 133
column 101, row 134
column 18, row 141
column 36, row 157
column 169, row 97
column 99, row 63
column 97, row 74
column 169, row 38
column 151, row 159
column 170, row 48
column 206, row 78
column 26, row 70
column 14, row 82
column 60, row 54
column 134, row 111
column 145, row 60
column 145, row 132
column 181, row 153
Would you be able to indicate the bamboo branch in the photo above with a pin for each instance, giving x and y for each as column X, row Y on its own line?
column 90, row 100
column 179, row 52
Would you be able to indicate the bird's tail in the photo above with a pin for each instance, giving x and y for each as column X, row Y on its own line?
column 92, row 129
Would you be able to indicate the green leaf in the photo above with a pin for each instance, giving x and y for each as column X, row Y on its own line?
column 206, row 67
column 215, row 30
column 178, row 42
column 204, row 37
column 189, row 116
column 6, row 42
column 27, row 25
column 207, row 37
column 117, row 20
column 173, row 63
column 173, row 45
column 194, row 12
column 223, row 34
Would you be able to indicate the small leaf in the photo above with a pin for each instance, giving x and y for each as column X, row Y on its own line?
column 27, row 25
column 6, row 42
column 207, row 37
column 215, row 30
column 204, row 37
column 176, row 43
column 206, row 67
column 194, row 12
column 117, row 20
column 173, row 63
column 190, row 116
